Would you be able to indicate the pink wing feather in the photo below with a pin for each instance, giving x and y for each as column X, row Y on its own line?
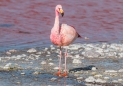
column 79, row 36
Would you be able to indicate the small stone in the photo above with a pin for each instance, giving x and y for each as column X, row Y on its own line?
column 22, row 73
column 50, row 59
column 88, row 49
column 74, row 47
column 48, row 52
column 56, row 68
column 89, row 45
column 37, row 56
column 77, row 61
column 120, row 55
column 52, row 48
column 31, row 62
column 13, row 51
column 8, row 53
column 39, row 53
column 47, row 55
column 7, row 66
column 104, row 45
column 51, row 45
column 18, row 56
column 98, row 75
column 113, row 74
column 45, row 49
column 35, row 79
column 99, row 50
column 79, row 72
column 94, row 68
column 106, row 78
column 100, row 80
column 11, row 66
column 18, row 82
column 86, row 38
column 115, row 81
column 106, row 50
column 91, row 54
column 121, row 70
column 110, row 71
column 53, row 79
column 51, row 64
column 76, row 74
column 77, row 56
column 79, row 77
column 120, row 80
column 110, row 54
column 93, row 73
column 90, row 79
column 32, row 50
column 23, row 55
column 43, row 62
column 36, row 72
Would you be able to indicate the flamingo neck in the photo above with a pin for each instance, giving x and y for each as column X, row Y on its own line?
column 57, row 14
column 56, row 23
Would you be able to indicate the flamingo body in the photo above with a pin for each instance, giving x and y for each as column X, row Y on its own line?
column 66, row 35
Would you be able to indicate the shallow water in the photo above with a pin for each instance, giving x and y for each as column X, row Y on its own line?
column 28, row 23
column 16, row 79
column 22, row 68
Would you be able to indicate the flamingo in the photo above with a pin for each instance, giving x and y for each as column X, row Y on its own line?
column 62, row 35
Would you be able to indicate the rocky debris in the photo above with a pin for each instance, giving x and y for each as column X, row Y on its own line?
column 32, row 50
column 82, row 62
column 12, row 66
column 110, row 71
column 91, row 54
column 100, row 80
column 106, row 78
column 12, row 51
column 56, row 68
column 36, row 72
column 51, row 64
column 120, row 70
column 53, row 79
column 94, row 68
column 73, row 47
column 77, row 61
column 22, row 73
column 8, row 53
column 90, row 79
column 45, row 49
column 120, row 55
column 43, row 62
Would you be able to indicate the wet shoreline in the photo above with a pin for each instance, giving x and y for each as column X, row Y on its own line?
column 92, row 63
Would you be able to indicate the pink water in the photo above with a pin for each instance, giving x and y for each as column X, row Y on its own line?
column 27, row 23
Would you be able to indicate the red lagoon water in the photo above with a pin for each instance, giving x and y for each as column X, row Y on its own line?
column 28, row 23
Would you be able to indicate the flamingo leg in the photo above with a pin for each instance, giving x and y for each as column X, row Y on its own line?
column 65, row 71
column 59, row 71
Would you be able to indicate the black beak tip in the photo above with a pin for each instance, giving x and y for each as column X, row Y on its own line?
column 62, row 14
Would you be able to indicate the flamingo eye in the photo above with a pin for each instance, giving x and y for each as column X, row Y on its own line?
column 59, row 9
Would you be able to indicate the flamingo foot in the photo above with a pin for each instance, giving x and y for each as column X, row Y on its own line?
column 65, row 74
column 58, row 73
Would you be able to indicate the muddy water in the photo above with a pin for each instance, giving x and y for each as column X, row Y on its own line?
column 27, row 23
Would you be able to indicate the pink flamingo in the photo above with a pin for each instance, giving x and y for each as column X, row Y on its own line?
column 62, row 35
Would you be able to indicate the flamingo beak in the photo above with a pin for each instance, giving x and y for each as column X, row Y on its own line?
column 62, row 12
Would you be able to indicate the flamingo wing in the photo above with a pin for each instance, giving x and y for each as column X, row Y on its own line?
column 79, row 36
column 68, row 34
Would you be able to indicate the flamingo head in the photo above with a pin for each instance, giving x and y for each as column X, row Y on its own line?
column 60, row 10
